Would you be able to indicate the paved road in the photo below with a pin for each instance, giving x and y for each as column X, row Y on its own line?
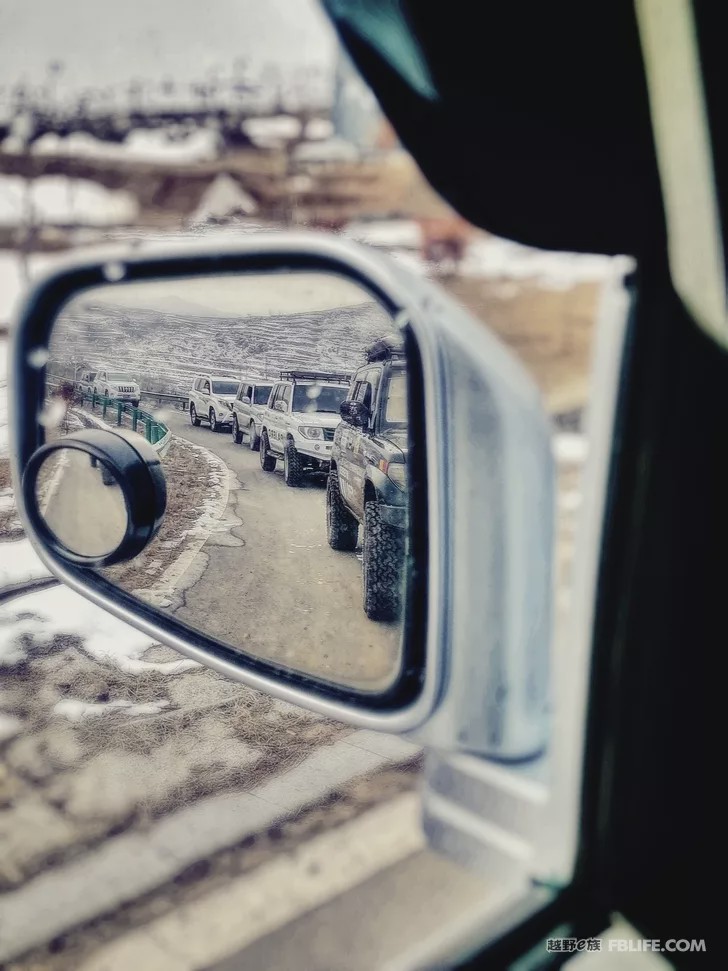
column 281, row 591
column 86, row 514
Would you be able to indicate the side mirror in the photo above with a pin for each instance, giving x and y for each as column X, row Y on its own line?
column 443, row 626
column 355, row 413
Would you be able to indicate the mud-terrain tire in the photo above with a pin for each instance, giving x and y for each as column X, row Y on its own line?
column 382, row 566
column 135, row 404
column 253, row 439
column 267, row 462
column 292, row 466
column 214, row 423
column 193, row 416
column 236, row 433
column 342, row 529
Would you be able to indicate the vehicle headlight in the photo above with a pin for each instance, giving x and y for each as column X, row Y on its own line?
column 311, row 431
column 397, row 473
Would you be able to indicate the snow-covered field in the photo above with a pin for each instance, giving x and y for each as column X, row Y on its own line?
column 166, row 350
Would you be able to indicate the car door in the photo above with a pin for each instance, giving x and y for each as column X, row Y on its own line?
column 274, row 418
column 360, row 451
column 205, row 397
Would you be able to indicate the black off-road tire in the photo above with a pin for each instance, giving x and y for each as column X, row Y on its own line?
column 382, row 566
column 342, row 529
column 267, row 462
column 214, row 423
column 236, row 433
column 193, row 416
column 253, row 439
column 292, row 466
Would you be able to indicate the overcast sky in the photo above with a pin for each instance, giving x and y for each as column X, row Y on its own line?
column 109, row 42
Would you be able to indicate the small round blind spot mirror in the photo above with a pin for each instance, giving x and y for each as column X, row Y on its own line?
column 81, row 502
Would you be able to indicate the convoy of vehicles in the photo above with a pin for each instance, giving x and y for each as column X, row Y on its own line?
column 353, row 429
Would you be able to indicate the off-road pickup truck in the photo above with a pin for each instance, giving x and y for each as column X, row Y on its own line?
column 299, row 423
column 367, row 481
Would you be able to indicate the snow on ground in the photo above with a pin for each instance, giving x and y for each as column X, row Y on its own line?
column 20, row 563
column 144, row 145
column 570, row 447
column 56, row 200
column 9, row 727
column 272, row 132
column 35, row 619
column 76, row 711
column 493, row 257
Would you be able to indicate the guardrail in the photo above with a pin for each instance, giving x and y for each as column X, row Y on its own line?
column 155, row 431
column 180, row 399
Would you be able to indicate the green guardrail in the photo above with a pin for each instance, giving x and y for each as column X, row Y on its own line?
column 153, row 430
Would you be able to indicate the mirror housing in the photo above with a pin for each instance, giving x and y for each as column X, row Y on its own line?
column 477, row 637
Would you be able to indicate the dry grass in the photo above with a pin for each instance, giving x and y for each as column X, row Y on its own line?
column 550, row 330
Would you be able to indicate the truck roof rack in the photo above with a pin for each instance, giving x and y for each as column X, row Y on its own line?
column 386, row 348
column 294, row 376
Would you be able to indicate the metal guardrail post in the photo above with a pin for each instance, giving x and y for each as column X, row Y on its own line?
column 134, row 419
column 148, row 428
column 104, row 406
column 120, row 409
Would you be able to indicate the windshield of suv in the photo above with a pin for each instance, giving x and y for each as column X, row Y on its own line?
column 320, row 398
column 224, row 387
column 395, row 412
column 261, row 394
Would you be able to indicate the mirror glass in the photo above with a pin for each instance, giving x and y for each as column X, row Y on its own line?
column 285, row 535
column 81, row 502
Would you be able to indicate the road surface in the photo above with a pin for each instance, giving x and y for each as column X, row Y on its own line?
column 280, row 591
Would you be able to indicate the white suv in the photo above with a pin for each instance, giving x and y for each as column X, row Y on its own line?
column 118, row 385
column 211, row 399
column 248, row 407
column 299, row 423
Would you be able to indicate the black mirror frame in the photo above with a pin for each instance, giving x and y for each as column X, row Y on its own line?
column 413, row 688
column 137, row 471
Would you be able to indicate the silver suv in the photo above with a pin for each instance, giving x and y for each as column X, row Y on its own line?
column 248, row 407
column 211, row 399
column 299, row 423
column 117, row 385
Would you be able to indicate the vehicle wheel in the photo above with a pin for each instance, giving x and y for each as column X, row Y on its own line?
column 342, row 530
column 292, row 466
column 213, row 421
column 253, row 439
column 193, row 415
column 267, row 462
column 237, row 434
column 382, row 568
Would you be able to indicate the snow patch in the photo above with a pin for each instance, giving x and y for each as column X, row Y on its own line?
column 9, row 727
column 46, row 614
column 495, row 258
column 56, row 200
column 19, row 562
column 76, row 711
column 570, row 447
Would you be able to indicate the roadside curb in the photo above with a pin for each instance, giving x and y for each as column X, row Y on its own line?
column 134, row 864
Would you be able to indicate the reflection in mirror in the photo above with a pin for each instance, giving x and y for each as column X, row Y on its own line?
column 278, row 405
column 81, row 502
